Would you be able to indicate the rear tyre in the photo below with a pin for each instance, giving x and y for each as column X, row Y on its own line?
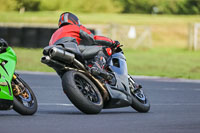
column 25, row 104
column 139, row 100
column 82, row 92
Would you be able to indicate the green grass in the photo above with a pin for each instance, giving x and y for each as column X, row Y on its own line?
column 167, row 30
column 172, row 62
column 167, row 58
column 99, row 18
column 29, row 60
column 175, row 63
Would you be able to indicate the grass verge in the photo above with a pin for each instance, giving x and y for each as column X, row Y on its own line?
column 29, row 60
column 167, row 30
column 171, row 62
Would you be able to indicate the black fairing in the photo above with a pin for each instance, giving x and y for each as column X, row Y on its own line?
column 119, row 93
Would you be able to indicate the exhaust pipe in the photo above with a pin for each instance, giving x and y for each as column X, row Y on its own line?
column 52, row 63
column 45, row 59
column 61, row 55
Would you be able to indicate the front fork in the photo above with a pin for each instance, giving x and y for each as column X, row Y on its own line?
column 134, row 86
column 18, row 87
column 136, row 90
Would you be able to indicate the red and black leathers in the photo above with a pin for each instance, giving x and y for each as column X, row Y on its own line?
column 78, row 35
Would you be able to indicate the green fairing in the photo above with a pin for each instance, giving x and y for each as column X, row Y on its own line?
column 9, row 57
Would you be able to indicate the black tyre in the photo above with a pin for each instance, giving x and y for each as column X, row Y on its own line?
column 82, row 92
column 26, row 103
column 139, row 100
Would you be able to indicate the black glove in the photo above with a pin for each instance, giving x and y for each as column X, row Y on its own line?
column 3, row 45
column 115, row 44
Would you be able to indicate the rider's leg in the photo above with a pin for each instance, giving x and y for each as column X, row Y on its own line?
column 99, row 63
column 99, row 56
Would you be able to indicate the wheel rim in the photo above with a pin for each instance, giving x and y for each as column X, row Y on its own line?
column 28, row 102
column 26, row 99
column 137, row 93
column 86, row 89
column 24, row 95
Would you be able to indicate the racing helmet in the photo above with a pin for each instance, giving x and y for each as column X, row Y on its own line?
column 68, row 18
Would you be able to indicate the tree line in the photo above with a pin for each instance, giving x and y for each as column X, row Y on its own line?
column 105, row 6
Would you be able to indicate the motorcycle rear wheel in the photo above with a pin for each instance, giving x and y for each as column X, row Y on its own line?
column 139, row 99
column 82, row 92
column 25, row 106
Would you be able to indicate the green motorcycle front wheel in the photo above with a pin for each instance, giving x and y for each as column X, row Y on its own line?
column 25, row 102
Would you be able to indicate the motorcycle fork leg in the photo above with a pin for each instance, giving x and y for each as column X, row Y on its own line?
column 18, row 87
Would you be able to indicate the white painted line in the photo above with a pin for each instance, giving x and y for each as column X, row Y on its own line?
column 177, row 104
column 164, row 79
column 170, row 89
column 55, row 104
column 157, row 104
column 36, row 73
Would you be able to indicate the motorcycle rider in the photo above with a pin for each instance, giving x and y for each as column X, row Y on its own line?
column 3, row 45
column 76, row 38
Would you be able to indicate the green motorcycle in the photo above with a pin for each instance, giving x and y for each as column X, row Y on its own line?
column 15, row 93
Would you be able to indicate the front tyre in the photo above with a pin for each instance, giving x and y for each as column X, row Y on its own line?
column 139, row 100
column 24, row 101
column 82, row 92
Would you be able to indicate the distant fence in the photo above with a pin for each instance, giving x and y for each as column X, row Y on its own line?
column 128, row 35
column 38, row 36
column 194, row 36
column 30, row 37
column 27, row 36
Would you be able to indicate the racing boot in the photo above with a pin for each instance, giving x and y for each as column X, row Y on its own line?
column 96, row 71
column 98, row 68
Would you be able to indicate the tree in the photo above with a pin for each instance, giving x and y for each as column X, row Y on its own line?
column 7, row 5
column 29, row 5
column 193, row 6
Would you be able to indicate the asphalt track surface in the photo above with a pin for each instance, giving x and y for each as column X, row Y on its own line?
column 175, row 108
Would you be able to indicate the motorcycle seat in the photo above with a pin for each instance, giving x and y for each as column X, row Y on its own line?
column 88, row 52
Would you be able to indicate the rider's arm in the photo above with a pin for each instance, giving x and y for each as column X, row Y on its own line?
column 104, row 41
column 87, row 38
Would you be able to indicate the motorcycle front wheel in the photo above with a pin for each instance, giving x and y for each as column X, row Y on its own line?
column 82, row 92
column 139, row 100
column 24, row 101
